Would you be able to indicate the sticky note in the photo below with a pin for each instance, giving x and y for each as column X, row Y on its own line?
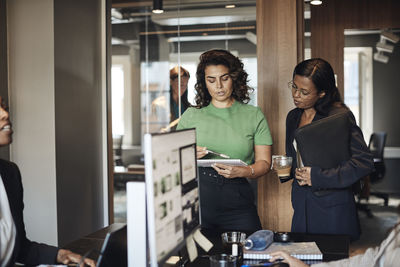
column 191, row 248
column 203, row 242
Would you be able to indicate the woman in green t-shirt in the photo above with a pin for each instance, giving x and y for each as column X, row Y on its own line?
column 226, row 124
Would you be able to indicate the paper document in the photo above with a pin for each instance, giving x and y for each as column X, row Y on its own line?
column 209, row 162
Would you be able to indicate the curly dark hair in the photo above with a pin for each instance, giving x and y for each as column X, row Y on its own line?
column 240, row 91
column 323, row 77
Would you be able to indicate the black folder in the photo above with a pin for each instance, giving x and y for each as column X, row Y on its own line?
column 326, row 142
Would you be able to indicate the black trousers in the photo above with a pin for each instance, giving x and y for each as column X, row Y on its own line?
column 227, row 203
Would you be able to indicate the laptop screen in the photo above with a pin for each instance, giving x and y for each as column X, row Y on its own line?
column 113, row 253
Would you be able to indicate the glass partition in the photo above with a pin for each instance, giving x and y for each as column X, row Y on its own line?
column 154, row 57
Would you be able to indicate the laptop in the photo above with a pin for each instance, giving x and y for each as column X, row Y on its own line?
column 114, row 250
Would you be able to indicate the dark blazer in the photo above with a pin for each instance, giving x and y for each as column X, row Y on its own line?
column 25, row 251
column 328, row 206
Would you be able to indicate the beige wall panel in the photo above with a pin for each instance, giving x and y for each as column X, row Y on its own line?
column 4, row 151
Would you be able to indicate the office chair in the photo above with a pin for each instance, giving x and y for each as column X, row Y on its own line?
column 376, row 145
column 117, row 150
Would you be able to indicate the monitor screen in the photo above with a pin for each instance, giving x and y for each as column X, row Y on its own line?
column 172, row 191
column 113, row 252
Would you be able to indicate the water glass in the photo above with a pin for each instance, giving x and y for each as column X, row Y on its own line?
column 222, row 260
column 233, row 242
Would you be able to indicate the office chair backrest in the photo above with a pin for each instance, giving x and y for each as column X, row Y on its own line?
column 117, row 149
column 377, row 144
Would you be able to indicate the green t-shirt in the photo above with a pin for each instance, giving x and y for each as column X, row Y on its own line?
column 233, row 131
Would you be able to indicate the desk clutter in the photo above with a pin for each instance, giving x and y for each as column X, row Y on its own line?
column 260, row 244
column 255, row 249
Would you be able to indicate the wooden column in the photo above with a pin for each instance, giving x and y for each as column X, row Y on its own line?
column 327, row 37
column 278, row 49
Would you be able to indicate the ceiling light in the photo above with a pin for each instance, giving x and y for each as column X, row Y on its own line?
column 316, row 2
column 230, row 6
column 206, row 38
column 251, row 37
column 158, row 7
column 116, row 14
column 380, row 57
column 198, row 16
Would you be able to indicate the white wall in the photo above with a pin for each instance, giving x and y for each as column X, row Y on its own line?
column 80, row 117
column 31, row 83
column 57, row 100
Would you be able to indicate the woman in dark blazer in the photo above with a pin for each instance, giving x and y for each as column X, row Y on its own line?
column 323, row 199
column 23, row 251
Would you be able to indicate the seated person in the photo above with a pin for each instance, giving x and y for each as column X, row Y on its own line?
column 14, row 245
column 386, row 255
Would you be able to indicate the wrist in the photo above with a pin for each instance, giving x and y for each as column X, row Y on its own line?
column 252, row 172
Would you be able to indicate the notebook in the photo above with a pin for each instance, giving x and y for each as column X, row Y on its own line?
column 209, row 162
column 300, row 250
column 114, row 250
column 252, row 263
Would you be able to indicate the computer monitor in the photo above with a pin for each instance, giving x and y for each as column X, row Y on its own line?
column 114, row 250
column 172, row 192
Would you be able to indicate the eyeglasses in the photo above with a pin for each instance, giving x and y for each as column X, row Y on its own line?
column 173, row 77
column 295, row 89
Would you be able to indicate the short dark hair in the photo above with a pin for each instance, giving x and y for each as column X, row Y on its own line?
column 240, row 91
column 321, row 74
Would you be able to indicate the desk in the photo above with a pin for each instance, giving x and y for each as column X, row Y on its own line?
column 333, row 247
column 92, row 242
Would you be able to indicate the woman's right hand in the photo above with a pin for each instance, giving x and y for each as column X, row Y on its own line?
column 201, row 151
column 292, row 261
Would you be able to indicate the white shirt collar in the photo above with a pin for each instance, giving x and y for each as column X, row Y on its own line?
column 7, row 227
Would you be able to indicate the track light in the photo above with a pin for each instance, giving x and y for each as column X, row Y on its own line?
column 158, row 6
column 384, row 47
column 389, row 36
column 316, row 2
column 380, row 57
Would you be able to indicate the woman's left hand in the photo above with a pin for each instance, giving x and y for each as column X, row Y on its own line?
column 229, row 171
column 303, row 176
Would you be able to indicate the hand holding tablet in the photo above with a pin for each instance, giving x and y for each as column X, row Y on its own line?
column 210, row 162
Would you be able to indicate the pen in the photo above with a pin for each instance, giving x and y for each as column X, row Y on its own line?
column 258, row 264
column 265, row 263
column 218, row 154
